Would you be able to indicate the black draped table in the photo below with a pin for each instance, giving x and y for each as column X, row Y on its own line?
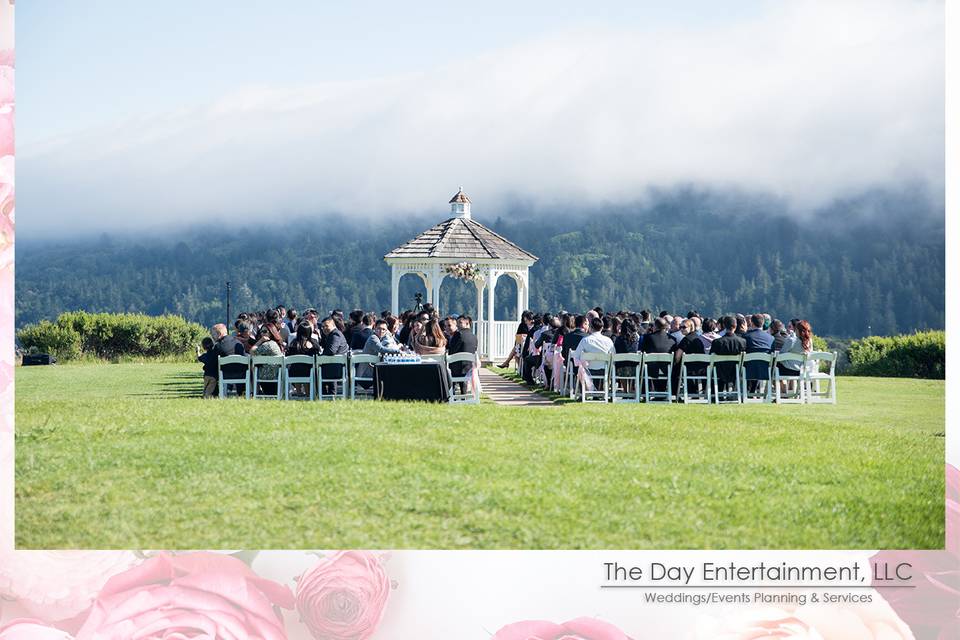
column 429, row 381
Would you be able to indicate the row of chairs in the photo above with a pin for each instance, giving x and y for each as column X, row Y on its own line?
column 747, row 378
column 311, row 384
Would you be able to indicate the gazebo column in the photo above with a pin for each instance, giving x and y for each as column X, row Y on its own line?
column 526, row 289
column 394, row 290
column 437, row 278
column 520, row 306
column 491, row 329
column 479, row 285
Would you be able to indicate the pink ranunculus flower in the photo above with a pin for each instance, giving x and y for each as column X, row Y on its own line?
column 578, row 629
column 25, row 629
column 197, row 595
column 57, row 585
column 343, row 596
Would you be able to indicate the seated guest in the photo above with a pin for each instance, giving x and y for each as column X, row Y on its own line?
column 692, row 344
column 227, row 345
column 729, row 344
column 292, row 322
column 709, row 334
column 244, row 335
column 629, row 339
column 526, row 321
column 676, row 330
column 741, row 324
column 362, row 332
column 463, row 341
column 268, row 344
column 430, row 341
column 379, row 342
column 302, row 344
column 546, row 343
column 333, row 343
column 393, row 326
column 209, row 360
column 571, row 340
column 801, row 342
column 659, row 341
column 757, row 341
column 594, row 342
column 275, row 328
column 449, row 327
column 355, row 323
column 779, row 335
column 416, row 326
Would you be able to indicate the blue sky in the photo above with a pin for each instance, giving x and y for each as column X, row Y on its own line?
column 85, row 63
column 176, row 112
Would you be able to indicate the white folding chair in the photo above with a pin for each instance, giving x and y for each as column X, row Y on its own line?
column 569, row 380
column 356, row 361
column 813, row 377
column 661, row 361
column 472, row 395
column 599, row 381
column 726, row 395
column 631, row 381
column 309, row 380
column 764, row 390
column 798, row 396
column 701, row 393
column 258, row 366
column 233, row 380
column 338, row 384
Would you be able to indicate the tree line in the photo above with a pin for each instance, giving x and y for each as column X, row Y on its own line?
column 872, row 265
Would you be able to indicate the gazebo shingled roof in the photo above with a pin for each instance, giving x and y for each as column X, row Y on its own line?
column 461, row 238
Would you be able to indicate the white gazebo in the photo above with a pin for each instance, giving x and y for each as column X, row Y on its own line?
column 457, row 240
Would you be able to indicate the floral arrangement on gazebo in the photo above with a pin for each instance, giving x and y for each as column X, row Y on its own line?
column 465, row 271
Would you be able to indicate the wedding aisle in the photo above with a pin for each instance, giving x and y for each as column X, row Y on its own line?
column 507, row 392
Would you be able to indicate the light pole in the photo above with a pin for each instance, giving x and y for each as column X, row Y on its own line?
column 228, row 303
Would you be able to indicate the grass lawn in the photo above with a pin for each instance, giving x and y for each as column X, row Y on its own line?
column 126, row 456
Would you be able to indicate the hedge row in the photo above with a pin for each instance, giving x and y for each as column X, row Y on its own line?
column 111, row 336
column 918, row 355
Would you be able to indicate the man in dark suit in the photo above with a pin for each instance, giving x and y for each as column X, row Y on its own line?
column 362, row 333
column 333, row 343
column 729, row 344
column 758, row 341
column 692, row 344
column 227, row 345
column 463, row 341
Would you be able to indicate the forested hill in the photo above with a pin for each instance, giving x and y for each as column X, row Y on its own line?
column 874, row 264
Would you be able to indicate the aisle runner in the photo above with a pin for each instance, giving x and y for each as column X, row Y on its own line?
column 507, row 392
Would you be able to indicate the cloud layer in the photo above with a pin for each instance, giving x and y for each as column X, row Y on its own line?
column 810, row 102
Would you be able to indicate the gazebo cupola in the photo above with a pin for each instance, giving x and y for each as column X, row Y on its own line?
column 460, row 240
column 460, row 204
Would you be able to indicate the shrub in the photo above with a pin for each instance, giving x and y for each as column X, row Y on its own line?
column 47, row 337
column 112, row 336
column 918, row 355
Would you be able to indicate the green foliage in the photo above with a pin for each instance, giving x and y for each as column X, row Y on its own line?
column 112, row 336
column 129, row 456
column 60, row 341
column 917, row 355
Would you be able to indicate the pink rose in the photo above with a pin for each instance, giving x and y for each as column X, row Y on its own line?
column 24, row 629
column 343, row 597
column 197, row 595
column 579, row 629
column 57, row 585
